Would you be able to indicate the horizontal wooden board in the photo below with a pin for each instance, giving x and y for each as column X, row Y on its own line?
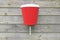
column 14, row 3
column 19, row 20
column 35, row 36
column 17, row 11
column 24, row 29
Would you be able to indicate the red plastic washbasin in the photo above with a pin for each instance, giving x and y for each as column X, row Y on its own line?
column 30, row 15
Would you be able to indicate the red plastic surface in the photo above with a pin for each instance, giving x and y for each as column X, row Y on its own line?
column 30, row 15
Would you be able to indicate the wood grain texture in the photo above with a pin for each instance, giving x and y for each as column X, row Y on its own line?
column 14, row 3
column 11, row 20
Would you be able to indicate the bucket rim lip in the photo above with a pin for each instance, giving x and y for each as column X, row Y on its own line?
column 29, row 5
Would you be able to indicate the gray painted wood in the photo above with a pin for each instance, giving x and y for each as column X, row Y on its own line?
column 12, row 28
column 42, row 11
column 24, row 29
column 14, row 3
column 41, row 19
column 36, row 36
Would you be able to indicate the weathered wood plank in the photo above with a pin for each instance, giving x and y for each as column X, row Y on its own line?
column 35, row 36
column 41, row 19
column 12, row 3
column 42, row 11
column 24, row 29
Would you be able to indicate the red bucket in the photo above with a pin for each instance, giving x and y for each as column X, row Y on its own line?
column 30, row 14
